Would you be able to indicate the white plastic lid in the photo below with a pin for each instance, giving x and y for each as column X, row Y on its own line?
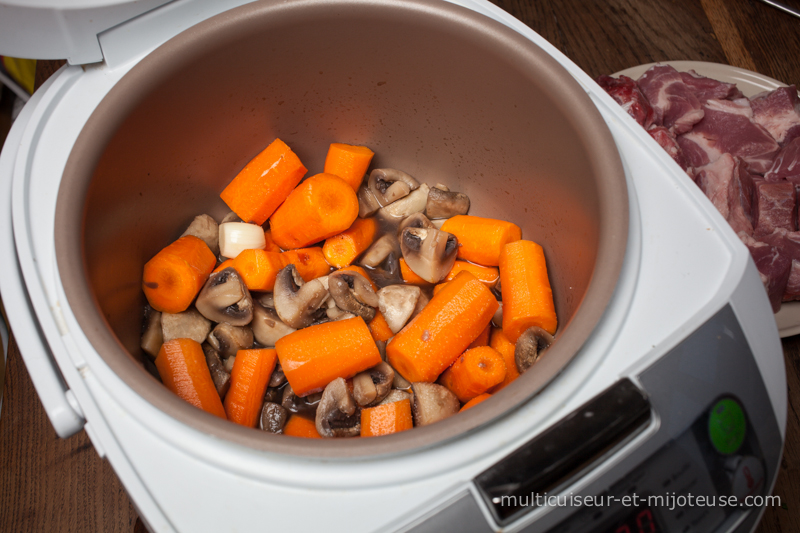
column 63, row 29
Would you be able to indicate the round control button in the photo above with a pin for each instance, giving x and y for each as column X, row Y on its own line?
column 727, row 426
column 747, row 477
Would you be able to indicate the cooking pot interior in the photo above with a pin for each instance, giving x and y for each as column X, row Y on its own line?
column 436, row 91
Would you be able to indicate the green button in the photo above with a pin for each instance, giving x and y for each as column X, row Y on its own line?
column 727, row 426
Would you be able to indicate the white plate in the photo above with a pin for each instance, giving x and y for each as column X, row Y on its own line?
column 750, row 83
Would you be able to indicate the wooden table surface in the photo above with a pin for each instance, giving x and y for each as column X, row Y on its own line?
column 50, row 484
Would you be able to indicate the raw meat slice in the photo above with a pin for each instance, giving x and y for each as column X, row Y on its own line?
column 668, row 142
column 675, row 105
column 773, row 267
column 728, row 127
column 775, row 207
column 778, row 112
column 714, row 179
column 627, row 94
column 786, row 164
column 730, row 187
column 788, row 244
column 707, row 88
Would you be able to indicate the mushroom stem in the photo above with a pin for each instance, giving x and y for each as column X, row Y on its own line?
column 530, row 346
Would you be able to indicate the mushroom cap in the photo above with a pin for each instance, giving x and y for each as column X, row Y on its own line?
column 446, row 204
column 372, row 385
column 225, row 298
column 397, row 303
column 228, row 340
column 388, row 272
column 189, row 324
column 301, row 405
column 530, row 346
column 388, row 185
column 273, row 418
column 152, row 337
column 380, row 250
column 220, row 376
column 204, row 227
column 267, row 325
column 353, row 293
column 430, row 253
column 432, row 402
column 417, row 220
column 297, row 302
column 367, row 203
column 415, row 202
column 338, row 414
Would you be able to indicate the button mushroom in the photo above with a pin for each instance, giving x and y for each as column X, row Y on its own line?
column 273, row 418
column 367, row 203
column 430, row 253
column 267, row 326
column 372, row 386
column 338, row 414
column 417, row 220
column 497, row 318
column 396, row 303
column 530, row 346
column 225, row 298
column 228, row 340
column 273, row 394
column 297, row 302
column 277, row 378
column 388, row 185
column 353, row 293
column 432, row 402
column 295, row 404
column 205, row 228
column 446, row 204
column 395, row 396
column 413, row 203
column 220, row 376
column 379, row 251
column 152, row 337
column 187, row 324
column 388, row 272
column 421, row 303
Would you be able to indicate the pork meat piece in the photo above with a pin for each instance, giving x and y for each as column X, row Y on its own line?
column 730, row 187
column 788, row 244
column 709, row 89
column 778, row 112
column 674, row 103
column 627, row 94
column 714, row 179
column 787, row 164
column 668, row 142
column 728, row 127
column 773, row 266
column 775, row 207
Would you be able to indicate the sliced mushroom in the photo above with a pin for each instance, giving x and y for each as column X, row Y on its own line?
column 388, row 185
column 379, row 250
column 417, row 220
column 334, row 313
column 530, row 346
column 400, row 382
column 429, row 253
column 273, row 418
column 396, row 303
column 404, row 207
column 388, row 272
column 277, row 378
column 297, row 302
column 497, row 318
column 225, row 298
column 353, row 293
column 381, row 348
column 372, row 386
column 295, row 404
column 338, row 414
column 421, row 303
column 432, row 402
column 273, row 394
column 205, row 228
column 228, row 363
column 152, row 337
column 228, row 340
column 438, row 223
column 395, row 396
column 267, row 326
column 367, row 203
column 446, row 204
column 267, row 300
column 188, row 324
column 220, row 376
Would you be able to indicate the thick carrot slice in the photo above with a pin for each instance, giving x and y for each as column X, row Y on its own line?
column 409, row 276
column 349, row 162
column 443, row 329
column 527, row 297
column 222, row 266
column 358, row 270
column 297, row 426
column 342, row 249
column 320, row 207
column 475, row 401
column 489, row 275
column 475, row 372
column 386, row 419
column 174, row 276
column 310, row 262
column 260, row 187
column 182, row 366
column 258, row 268
column 481, row 239
column 314, row 356
column 500, row 342
column 438, row 287
column 270, row 245
column 249, row 380
column 483, row 338
column 380, row 328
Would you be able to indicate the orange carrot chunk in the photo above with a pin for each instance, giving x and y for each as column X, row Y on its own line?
column 174, row 276
column 475, row 401
column 182, row 366
column 258, row 268
column 270, row 245
column 477, row 370
column 481, row 239
column 260, row 187
column 314, row 356
column 443, row 329
column 488, row 275
column 320, row 207
column 222, row 266
column 249, row 380
column 386, row 419
column 380, row 328
column 309, row 262
column 500, row 342
column 297, row 426
column 349, row 162
column 438, row 287
column 527, row 297
column 342, row 249
column 409, row 276
column 483, row 338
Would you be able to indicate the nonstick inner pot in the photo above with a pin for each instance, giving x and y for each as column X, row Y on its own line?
column 440, row 92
